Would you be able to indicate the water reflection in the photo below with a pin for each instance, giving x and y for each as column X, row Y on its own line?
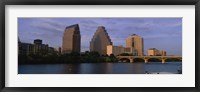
column 100, row 68
column 71, row 68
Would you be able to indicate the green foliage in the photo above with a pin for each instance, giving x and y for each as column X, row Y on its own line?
column 124, row 54
column 74, row 57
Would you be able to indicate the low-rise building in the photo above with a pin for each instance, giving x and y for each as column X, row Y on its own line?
column 156, row 52
column 130, row 51
column 25, row 48
column 37, row 48
column 117, row 50
column 163, row 52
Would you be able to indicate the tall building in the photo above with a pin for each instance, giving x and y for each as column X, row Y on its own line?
column 100, row 41
column 136, row 42
column 71, row 39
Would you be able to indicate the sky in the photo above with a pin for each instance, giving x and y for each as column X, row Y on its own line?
column 159, row 33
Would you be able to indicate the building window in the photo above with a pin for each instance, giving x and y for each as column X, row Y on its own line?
column 132, row 44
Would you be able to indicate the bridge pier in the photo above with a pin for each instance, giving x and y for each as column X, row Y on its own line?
column 163, row 61
column 145, row 60
column 131, row 60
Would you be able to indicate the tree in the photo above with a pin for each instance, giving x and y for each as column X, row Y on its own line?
column 124, row 54
column 94, row 53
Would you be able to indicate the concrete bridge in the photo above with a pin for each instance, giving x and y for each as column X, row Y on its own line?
column 146, row 58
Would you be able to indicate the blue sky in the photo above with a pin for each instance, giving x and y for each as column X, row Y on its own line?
column 160, row 33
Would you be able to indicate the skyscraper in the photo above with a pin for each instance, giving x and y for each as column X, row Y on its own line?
column 100, row 41
column 71, row 39
column 136, row 42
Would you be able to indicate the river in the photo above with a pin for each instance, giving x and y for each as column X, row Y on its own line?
column 101, row 68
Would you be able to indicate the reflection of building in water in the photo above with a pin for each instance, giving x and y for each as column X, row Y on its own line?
column 136, row 42
column 108, row 68
column 71, row 39
column 139, row 68
column 100, row 41
column 72, row 69
column 37, row 48
column 117, row 50
column 155, row 52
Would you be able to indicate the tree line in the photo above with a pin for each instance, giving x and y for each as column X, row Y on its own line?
column 73, row 57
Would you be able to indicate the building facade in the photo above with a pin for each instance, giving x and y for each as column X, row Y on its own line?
column 136, row 42
column 163, row 52
column 117, row 50
column 156, row 52
column 131, row 51
column 100, row 41
column 153, row 52
column 71, row 39
column 37, row 48
column 25, row 48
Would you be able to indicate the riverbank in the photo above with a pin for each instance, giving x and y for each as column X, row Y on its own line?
column 75, row 58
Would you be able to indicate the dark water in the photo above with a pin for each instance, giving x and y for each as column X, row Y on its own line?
column 101, row 68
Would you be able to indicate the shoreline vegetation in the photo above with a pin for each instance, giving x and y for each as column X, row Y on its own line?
column 73, row 58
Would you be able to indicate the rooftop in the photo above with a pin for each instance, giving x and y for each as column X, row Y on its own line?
column 133, row 35
column 75, row 25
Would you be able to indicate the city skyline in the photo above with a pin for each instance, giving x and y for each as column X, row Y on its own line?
column 160, row 33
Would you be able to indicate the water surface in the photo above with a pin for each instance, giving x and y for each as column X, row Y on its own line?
column 100, row 68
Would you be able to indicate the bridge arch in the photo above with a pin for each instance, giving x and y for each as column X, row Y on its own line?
column 124, row 60
column 173, row 59
column 154, row 59
column 138, row 60
column 147, row 59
